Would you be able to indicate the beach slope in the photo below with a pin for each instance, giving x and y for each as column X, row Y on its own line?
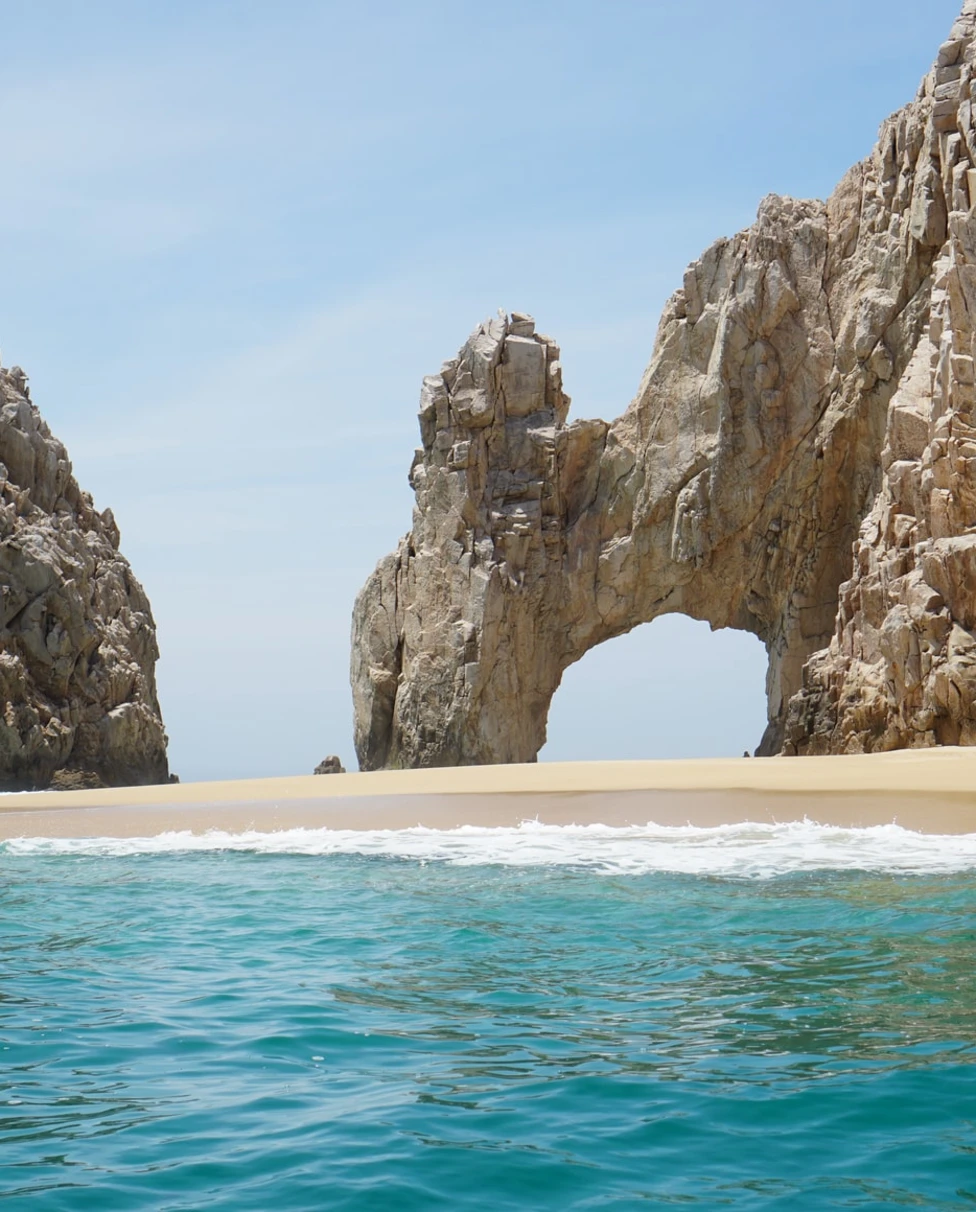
column 930, row 790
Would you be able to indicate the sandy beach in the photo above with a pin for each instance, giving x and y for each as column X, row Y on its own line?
column 932, row 790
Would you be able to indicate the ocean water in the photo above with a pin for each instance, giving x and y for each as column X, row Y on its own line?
column 746, row 1018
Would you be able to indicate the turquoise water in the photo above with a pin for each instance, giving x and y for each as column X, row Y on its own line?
column 548, row 1020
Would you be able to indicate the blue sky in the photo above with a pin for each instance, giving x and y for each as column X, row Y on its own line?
column 237, row 235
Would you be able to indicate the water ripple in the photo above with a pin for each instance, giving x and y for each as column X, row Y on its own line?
column 232, row 1029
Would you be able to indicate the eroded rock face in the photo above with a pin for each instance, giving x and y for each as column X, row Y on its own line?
column 77, row 638
column 814, row 373
column 900, row 671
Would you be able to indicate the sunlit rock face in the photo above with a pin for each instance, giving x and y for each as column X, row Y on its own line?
column 77, row 638
column 810, row 394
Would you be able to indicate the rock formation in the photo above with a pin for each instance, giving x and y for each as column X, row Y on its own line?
column 77, row 638
column 900, row 670
column 810, row 392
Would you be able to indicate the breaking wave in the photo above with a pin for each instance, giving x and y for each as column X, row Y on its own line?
column 741, row 850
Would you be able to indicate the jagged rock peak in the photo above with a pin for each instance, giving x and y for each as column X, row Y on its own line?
column 77, row 637
column 810, row 392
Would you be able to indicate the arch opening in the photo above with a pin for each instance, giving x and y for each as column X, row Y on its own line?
column 672, row 688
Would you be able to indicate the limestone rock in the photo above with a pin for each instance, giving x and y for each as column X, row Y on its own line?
column 811, row 385
column 77, row 640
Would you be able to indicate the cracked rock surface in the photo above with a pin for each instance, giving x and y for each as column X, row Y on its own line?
column 77, row 637
column 810, row 393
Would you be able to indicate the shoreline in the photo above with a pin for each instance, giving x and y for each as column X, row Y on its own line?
column 926, row 790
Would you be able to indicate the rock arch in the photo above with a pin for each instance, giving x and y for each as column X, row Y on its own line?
column 732, row 489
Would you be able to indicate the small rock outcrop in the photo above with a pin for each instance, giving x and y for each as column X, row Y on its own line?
column 330, row 765
column 78, row 648
column 811, row 392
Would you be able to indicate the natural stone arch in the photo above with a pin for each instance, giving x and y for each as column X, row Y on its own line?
column 732, row 488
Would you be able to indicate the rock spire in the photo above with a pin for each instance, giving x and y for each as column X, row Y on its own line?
column 77, row 639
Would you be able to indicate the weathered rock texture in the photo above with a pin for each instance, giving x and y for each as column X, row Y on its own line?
column 77, row 638
column 330, row 765
column 811, row 389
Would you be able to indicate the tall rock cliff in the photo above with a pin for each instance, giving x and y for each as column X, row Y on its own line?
column 77, row 638
column 810, row 392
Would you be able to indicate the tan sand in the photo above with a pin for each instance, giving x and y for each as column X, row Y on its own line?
column 932, row 790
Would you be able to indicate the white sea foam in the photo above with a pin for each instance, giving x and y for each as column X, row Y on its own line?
column 743, row 850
